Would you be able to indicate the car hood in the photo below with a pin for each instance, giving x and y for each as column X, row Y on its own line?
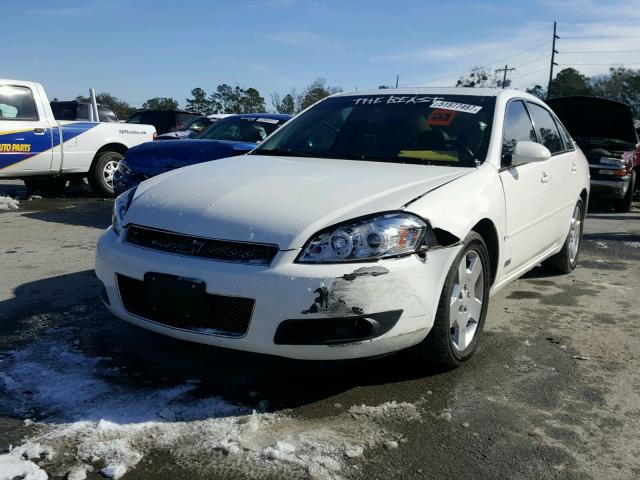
column 151, row 158
column 278, row 200
column 595, row 117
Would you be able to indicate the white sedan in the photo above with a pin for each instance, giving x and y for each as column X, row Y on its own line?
column 372, row 222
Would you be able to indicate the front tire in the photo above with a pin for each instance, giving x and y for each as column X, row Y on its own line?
column 462, row 308
column 566, row 259
column 102, row 171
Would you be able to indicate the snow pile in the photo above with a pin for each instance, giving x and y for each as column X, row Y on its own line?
column 90, row 421
column 17, row 463
column 8, row 203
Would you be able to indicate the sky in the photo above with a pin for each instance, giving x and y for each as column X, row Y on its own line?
column 139, row 49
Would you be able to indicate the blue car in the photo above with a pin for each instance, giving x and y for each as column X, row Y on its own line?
column 231, row 136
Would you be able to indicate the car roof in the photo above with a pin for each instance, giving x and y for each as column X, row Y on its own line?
column 477, row 92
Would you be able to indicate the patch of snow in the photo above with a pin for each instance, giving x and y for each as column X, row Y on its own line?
column 91, row 419
column 79, row 472
column 114, row 471
column 632, row 244
column 602, row 245
column 8, row 203
column 13, row 465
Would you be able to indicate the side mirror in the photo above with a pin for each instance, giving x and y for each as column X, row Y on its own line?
column 527, row 152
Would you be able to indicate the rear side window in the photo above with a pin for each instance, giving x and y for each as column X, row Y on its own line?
column 106, row 114
column 566, row 138
column 64, row 110
column 517, row 127
column 17, row 103
column 546, row 128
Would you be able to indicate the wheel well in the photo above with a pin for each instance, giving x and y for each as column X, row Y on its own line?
column 109, row 147
column 487, row 230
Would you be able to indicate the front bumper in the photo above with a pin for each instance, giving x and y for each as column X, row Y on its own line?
column 286, row 290
column 614, row 188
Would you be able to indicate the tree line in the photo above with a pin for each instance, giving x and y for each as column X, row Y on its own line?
column 225, row 99
column 620, row 83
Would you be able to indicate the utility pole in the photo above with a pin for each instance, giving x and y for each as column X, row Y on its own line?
column 553, row 58
column 504, row 76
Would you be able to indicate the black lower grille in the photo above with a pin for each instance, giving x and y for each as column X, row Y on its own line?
column 327, row 331
column 225, row 315
column 222, row 250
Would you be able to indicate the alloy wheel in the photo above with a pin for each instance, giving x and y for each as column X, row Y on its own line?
column 467, row 298
column 108, row 171
column 574, row 234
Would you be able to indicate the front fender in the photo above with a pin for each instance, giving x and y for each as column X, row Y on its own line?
column 459, row 205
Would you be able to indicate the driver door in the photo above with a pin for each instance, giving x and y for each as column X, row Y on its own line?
column 524, row 190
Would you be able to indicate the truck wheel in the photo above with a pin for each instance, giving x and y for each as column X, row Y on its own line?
column 48, row 187
column 623, row 205
column 566, row 259
column 101, row 173
column 462, row 308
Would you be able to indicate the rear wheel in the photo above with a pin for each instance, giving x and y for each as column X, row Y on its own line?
column 462, row 308
column 623, row 205
column 566, row 259
column 48, row 186
column 102, row 171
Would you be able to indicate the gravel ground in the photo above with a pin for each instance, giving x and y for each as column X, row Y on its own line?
column 553, row 392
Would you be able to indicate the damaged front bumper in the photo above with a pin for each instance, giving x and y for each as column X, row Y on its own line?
column 315, row 312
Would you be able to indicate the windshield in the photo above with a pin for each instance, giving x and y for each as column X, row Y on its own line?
column 241, row 129
column 449, row 130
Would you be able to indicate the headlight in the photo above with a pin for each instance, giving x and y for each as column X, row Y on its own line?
column 384, row 235
column 618, row 162
column 120, row 207
column 123, row 168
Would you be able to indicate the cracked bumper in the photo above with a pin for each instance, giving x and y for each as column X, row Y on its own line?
column 285, row 290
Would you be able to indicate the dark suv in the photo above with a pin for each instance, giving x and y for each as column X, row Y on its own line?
column 164, row 120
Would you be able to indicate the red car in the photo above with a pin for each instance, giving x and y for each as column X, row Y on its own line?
column 605, row 131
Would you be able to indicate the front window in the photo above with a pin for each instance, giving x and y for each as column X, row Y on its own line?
column 451, row 130
column 241, row 129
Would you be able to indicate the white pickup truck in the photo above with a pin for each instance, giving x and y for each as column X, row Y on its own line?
column 45, row 152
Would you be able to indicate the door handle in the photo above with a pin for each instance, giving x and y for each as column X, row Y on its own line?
column 574, row 167
column 545, row 177
column 39, row 131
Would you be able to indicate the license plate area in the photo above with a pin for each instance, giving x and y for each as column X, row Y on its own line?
column 177, row 299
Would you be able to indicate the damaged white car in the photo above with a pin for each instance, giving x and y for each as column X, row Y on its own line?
column 371, row 223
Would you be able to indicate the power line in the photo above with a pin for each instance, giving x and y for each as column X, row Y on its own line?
column 529, row 73
column 544, row 57
column 596, row 64
column 492, row 63
column 504, row 77
column 601, row 51
column 582, row 37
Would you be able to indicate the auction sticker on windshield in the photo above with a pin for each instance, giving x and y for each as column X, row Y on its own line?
column 458, row 107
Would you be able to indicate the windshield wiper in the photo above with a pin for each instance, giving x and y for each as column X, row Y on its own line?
column 281, row 152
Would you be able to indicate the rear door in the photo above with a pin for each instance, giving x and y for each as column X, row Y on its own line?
column 25, row 132
column 524, row 190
